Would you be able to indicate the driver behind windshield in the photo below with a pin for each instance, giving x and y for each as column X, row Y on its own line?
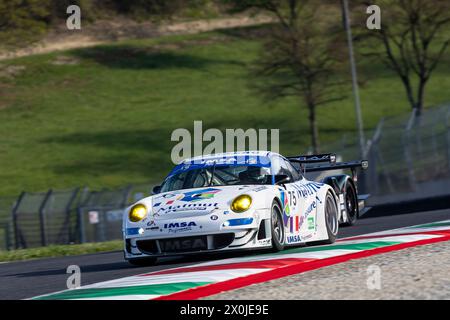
column 217, row 176
column 253, row 175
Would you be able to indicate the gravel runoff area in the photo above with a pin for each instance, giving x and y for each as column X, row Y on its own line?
column 421, row 272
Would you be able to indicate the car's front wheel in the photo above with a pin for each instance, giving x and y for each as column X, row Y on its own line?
column 277, row 227
column 142, row 262
column 331, row 218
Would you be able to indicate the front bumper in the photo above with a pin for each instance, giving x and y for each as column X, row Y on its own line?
column 201, row 236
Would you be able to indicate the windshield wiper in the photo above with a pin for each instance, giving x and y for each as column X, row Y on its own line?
column 212, row 174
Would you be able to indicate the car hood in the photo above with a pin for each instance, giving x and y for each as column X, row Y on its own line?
column 206, row 199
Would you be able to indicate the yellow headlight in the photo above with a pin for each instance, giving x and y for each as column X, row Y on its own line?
column 137, row 213
column 241, row 203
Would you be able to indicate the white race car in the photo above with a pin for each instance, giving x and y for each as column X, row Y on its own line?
column 238, row 201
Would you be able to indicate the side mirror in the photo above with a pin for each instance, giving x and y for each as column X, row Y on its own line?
column 282, row 178
column 156, row 189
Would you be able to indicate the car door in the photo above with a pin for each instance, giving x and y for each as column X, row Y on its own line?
column 305, row 195
column 291, row 202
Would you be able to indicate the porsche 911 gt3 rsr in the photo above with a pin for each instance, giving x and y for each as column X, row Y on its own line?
column 241, row 200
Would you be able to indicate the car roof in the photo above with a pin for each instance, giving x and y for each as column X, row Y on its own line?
column 268, row 154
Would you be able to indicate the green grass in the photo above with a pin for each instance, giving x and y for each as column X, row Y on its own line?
column 106, row 121
column 59, row 251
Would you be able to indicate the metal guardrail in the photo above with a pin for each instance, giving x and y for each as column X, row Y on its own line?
column 409, row 157
column 63, row 217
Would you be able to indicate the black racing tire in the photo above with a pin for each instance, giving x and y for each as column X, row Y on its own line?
column 331, row 220
column 351, row 204
column 277, row 227
column 143, row 262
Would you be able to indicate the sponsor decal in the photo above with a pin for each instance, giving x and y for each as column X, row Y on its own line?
column 308, row 189
column 182, row 244
column 259, row 189
column 167, row 195
column 179, row 224
column 318, row 200
column 176, row 227
column 238, row 222
column 294, row 239
column 214, row 217
column 171, row 201
column 134, row 231
column 264, row 241
column 302, row 219
column 311, row 224
column 152, row 225
column 238, row 159
column 200, row 195
column 186, row 207
column 286, row 209
column 307, row 237
column 294, row 224
column 311, row 207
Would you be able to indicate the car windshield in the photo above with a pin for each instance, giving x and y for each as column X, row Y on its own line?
column 219, row 175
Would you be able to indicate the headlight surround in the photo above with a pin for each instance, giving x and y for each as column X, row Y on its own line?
column 137, row 213
column 241, row 203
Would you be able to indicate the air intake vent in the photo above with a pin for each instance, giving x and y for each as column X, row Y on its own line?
column 262, row 230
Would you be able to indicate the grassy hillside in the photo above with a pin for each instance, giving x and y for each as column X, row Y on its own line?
column 103, row 116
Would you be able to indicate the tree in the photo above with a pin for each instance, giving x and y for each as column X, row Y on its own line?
column 302, row 55
column 22, row 21
column 412, row 40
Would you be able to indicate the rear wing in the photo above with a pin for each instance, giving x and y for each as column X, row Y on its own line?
column 307, row 165
column 353, row 165
column 315, row 158
column 332, row 164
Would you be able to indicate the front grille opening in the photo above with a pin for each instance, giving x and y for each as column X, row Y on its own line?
column 262, row 230
column 147, row 246
column 222, row 240
column 183, row 244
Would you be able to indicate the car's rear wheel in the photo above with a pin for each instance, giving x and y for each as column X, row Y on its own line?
column 277, row 227
column 351, row 204
column 331, row 217
column 142, row 262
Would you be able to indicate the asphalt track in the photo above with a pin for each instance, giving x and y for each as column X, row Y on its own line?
column 22, row 280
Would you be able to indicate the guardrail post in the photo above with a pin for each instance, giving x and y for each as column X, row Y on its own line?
column 42, row 218
column 407, row 152
column 81, row 229
column 127, row 193
column 448, row 138
column 7, row 236
column 372, row 171
column 68, row 206
column 14, row 219
column 372, row 174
